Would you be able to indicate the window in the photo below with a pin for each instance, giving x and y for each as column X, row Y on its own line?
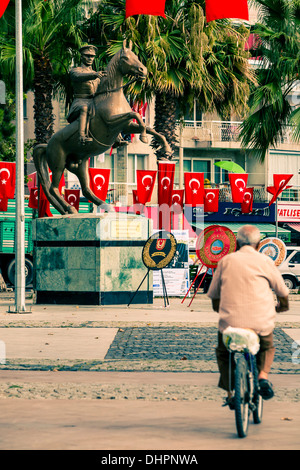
column 105, row 161
column 295, row 259
column 214, row 173
column 135, row 162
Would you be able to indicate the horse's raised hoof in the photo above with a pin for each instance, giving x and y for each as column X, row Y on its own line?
column 144, row 139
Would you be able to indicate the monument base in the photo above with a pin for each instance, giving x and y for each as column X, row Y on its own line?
column 91, row 259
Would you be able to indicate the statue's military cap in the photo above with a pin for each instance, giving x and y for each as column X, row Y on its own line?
column 88, row 49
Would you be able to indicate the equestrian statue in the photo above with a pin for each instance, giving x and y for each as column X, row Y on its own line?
column 97, row 118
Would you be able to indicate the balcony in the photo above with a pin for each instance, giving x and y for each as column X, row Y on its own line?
column 220, row 134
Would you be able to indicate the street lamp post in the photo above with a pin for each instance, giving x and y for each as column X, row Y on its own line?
column 19, row 306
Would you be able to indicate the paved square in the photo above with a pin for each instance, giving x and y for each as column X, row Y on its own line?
column 57, row 343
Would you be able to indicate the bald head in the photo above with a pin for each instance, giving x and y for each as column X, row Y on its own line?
column 248, row 235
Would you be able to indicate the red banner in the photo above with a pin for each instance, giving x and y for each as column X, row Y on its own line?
column 3, row 6
column 280, row 184
column 99, row 181
column 211, row 200
column 72, row 197
column 44, row 204
column 218, row 9
column 238, row 184
column 136, row 7
column 33, row 198
column 7, row 179
column 177, row 200
column 145, row 184
column 166, row 173
column 3, row 204
column 247, row 204
column 194, row 188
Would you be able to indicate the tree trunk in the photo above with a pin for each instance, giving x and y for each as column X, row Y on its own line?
column 165, row 120
column 43, row 109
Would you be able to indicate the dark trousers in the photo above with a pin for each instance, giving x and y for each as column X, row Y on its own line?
column 264, row 359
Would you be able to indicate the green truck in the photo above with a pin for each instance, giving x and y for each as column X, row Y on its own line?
column 7, row 239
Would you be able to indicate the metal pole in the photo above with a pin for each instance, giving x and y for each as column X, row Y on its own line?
column 20, row 212
column 276, row 218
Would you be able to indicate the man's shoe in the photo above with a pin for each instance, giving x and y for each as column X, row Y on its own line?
column 265, row 389
column 229, row 402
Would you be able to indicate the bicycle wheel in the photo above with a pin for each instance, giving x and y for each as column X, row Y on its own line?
column 241, row 399
column 257, row 398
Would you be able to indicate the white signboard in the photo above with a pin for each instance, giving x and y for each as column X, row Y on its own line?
column 176, row 275
column 288, row 212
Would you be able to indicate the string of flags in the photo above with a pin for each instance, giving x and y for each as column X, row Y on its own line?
column 214, row 9
column 194, row 193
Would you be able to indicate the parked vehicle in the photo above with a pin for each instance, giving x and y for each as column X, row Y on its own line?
column 7, row 240
column 290, row 268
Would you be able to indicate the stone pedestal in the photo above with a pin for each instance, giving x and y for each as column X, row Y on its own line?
column 91, row 259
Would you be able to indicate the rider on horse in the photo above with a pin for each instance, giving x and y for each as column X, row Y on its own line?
column 85, row 82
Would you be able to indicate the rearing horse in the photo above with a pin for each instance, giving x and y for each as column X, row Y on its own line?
column 112, row 115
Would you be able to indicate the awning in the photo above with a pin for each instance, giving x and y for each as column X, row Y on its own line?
column 294, row 226
column 267, row 230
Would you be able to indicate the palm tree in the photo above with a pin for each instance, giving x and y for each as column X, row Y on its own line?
column 278, row 28
column 186, row 58
column 50, row 31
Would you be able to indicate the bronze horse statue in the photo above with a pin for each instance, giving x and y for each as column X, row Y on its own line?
column 112, row 115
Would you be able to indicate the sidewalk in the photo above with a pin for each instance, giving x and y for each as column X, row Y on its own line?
column 86, row 377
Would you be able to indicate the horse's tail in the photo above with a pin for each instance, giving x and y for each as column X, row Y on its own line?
column 39, row 158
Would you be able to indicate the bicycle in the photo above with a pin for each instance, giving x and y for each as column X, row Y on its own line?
column 247, row 398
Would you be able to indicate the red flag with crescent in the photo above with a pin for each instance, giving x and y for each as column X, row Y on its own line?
column 145, row 183
column 7, row 179
column 211, row 200
column 247, row 204
column 280, row 184
column 33, row 198
column 136, row 7
column 238, row 184
column 218, row 9
column 44, row 204
column 72, row 197
column 177, row 200
column 166, row 173
column 194, row 188
column 99, row 181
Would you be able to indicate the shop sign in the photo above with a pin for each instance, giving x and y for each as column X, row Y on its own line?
column 232, row 212
column 288, row 212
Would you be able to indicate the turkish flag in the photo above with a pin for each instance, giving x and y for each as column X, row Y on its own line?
column 137, row 206
column 72, row 197
column 238, row 184
column 218, row 9
column 44, row 204
column 99, row 181
column 33, row 198
column 166, row 173
column 3, row 203
column 3, row 6
column 138, row 7
column 194, row 188
column 145, row 184
column 247, row 204
column 177, row 200
column 7, row 179
column 280, row 184
column 211, row 200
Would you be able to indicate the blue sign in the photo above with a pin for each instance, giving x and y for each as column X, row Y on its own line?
column 232, row 212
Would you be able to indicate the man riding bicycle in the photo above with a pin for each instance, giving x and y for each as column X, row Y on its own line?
column 241, row 291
